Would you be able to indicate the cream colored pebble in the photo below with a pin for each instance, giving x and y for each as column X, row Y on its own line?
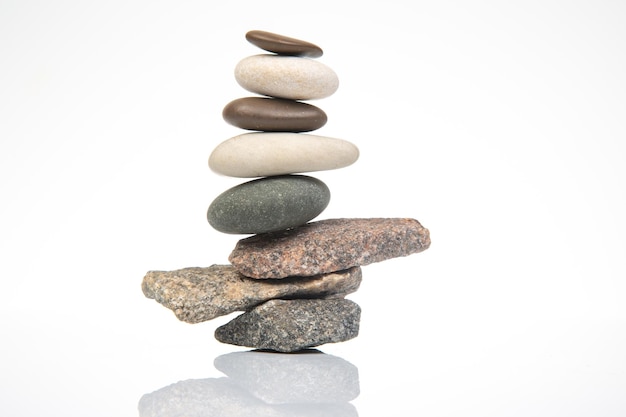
column 263, row 154
column 288, row 77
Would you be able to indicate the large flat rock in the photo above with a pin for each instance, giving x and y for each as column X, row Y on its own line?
column 328, row 245
column 293, row 325
column 201, row 294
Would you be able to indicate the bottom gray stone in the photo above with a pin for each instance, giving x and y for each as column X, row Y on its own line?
column 292, row 325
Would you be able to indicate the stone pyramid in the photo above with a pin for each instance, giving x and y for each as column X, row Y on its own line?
column 289, row 278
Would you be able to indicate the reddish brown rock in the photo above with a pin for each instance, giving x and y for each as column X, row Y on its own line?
column 327, row 246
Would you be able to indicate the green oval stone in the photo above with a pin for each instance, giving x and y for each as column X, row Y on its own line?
column 268, row 204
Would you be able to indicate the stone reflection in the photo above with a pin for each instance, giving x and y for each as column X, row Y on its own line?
column 258, row 383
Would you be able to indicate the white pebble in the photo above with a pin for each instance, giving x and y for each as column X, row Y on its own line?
column 262, row 154
column 288, row 77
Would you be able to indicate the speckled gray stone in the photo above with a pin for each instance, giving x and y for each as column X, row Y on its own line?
column 200, row 294
column 328, row 245
column 307, row 377
column 268, row 204
column 292, row 325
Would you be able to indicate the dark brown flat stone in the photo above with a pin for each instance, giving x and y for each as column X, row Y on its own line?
column 283, row 45
column 273, row 115
column 328, row 245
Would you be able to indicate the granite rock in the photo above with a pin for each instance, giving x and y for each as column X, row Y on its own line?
column 200, row 294
column 263, row 154
column 283, row 45
column 306, row 377
column 293, row 325
column 273, row 115
column 328, row 245
column 268, row 204
column 286, row 77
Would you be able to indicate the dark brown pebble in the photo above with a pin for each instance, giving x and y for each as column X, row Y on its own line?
column 283, row 45
column 273, row 115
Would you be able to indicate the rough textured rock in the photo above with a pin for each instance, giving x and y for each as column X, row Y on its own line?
column 283, row 45
column 221, row 397
column 308, row 376
column 292, row 325
column 273, row 115
column 263, row 154
column 268, row 204
column 287, row 77
column 200, row 294
column 328, row 245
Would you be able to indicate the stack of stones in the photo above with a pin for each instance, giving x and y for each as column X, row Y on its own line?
column 291, row 277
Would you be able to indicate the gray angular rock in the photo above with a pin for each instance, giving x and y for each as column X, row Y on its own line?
column 328, row 245
column 268, row 204
column 293, row 325
column 200, row 294
column 306, row 377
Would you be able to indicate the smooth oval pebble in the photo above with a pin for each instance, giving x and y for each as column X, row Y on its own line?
column 268, row 204
column 288, row 77
column 273, row 115
column 283, row 45
column 263, row 154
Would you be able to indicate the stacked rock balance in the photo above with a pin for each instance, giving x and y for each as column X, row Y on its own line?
column 277, row 199
column 291, row 277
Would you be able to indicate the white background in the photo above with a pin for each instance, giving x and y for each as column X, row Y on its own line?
column 500, row 126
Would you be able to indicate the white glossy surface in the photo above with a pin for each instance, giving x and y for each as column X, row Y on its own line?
column 511, row 118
